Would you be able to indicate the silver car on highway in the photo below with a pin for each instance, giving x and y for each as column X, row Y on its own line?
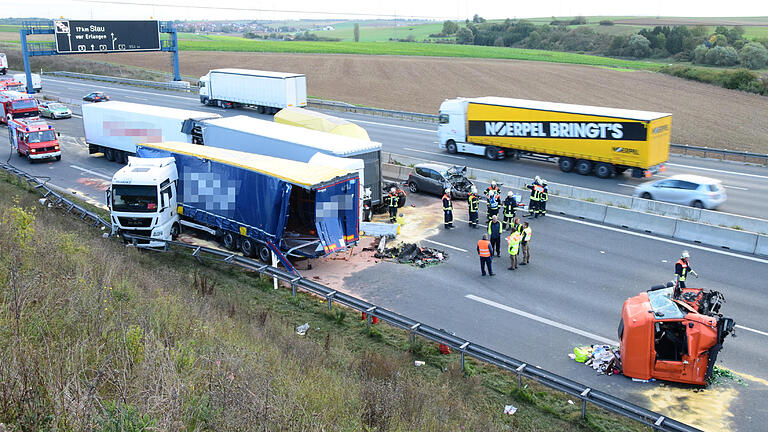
column 690, row 190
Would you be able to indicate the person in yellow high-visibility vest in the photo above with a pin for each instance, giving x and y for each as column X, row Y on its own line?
column 526, row 243
column 514, row 240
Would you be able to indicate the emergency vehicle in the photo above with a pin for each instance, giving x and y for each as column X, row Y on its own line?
column 17, row 104
column 12, row 84
column 34, row 139
column 672, row 336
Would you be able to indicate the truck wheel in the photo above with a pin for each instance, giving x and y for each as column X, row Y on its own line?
column 204, row 100
column 491, row 153
column 175, row 231
column 603, row 170
column 229, row 241
column 584, row 167
column 566, row 163
column 413, row 187
column 124, row 158
column 248, row 247
column 265, row 254
column 109, row 154
column 451, row 147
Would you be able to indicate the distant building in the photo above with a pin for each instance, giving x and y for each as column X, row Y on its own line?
column 328, row 28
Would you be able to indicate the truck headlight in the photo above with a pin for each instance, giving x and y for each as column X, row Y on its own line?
column 33, row 150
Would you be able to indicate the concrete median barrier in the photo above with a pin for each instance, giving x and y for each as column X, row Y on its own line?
column 741, row 223
column 762, row 245
column 578, row 208
column 650, row 223
column 716, row 236
column 665, row 209
column 601, row 197
column 395, row 172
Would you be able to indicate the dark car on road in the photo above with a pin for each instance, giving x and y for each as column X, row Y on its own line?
column 96, row 97
column 435, row 178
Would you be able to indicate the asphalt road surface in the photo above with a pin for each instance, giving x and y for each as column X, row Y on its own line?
column 745, row 184
column 570, row 295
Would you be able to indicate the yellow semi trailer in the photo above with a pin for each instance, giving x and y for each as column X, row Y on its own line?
column 587, row 139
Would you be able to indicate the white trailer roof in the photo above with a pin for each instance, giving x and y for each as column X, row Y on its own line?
column 323, row 141
column 259, row 73
column 568, row 108
column 150, row 110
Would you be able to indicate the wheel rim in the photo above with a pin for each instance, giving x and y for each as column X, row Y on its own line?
column 583, row 167
column 228, row 240
column 413, row 187
column 698, row 204
column 566, row 165
column 174, row 231
column 490, row 153
column 247, row 247
column 451, row 147
column 646, row 195
column 265, row 254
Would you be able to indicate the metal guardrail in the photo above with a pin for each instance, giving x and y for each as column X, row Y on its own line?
column 465, row 347
column 56, row 198
column 345, row 107
column 169, row 85
column 721, row 153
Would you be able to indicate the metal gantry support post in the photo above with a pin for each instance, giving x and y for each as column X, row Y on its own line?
column 175, row 41
column 25, row 55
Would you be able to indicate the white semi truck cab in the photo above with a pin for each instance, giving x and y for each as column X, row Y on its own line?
column 452, row 127
column 142, row 199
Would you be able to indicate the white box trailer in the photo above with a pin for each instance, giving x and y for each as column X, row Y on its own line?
column 264, row 90
column 37, row 83
column 115, row 128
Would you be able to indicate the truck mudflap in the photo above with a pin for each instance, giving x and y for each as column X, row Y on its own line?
column 336, row 215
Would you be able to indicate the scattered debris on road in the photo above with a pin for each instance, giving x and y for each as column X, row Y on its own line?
column 602, row 358
column 412, row 253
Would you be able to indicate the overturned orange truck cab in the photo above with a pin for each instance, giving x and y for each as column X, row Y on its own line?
column 672, row 338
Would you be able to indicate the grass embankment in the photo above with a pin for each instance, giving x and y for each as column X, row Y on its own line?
column 97, row 336
column 229, row 43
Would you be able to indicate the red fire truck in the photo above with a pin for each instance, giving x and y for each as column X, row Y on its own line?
column 17, row 105
column 8, row 83
column 34, row 139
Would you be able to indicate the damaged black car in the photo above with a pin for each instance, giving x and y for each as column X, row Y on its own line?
column 435, row 178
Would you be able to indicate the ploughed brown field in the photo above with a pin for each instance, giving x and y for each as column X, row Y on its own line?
column 703, row 114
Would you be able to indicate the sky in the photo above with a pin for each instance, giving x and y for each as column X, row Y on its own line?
column 372, row 9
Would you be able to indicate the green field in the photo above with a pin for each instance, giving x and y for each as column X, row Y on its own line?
column 370, row 33
column 228, row 43
column 9, row 28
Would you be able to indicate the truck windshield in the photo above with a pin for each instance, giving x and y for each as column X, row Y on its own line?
column 662, row 304
column 42, row 136
column 142, row 199
column 24, row 104
column 443, row 118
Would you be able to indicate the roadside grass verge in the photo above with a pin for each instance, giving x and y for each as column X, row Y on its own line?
column 94, row 335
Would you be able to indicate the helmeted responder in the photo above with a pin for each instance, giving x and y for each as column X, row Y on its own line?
column 510, row 205
column 448, row 209
column 493, row 198
column 536, row 189
column 525, row 243
column 485, row 251
column 543, row 197
column 494, row 232
column 392, row 201
column 474, row 207
column 513, row 241
column 682, row 268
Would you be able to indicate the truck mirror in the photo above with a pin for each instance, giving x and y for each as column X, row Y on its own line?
column 58, row 134
column 108, row 198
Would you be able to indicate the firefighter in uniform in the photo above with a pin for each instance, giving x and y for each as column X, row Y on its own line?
column 514, row 247
column 474, row 207
column 543, row 197
column 526, row 243
column 392, row 201
column 533, row 204
column 510, row 204
column 682, row 268
column 494, row 231
column 448, row 209
column 493, row 197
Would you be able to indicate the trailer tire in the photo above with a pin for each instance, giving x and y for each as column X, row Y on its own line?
column 491, row 153
column 584, row 167
column 229, row 241
column 450, row 146
column 248, row 247
column 204, row 100
column 604, row 170
column 109, row 154
column 265, row 255
column 566, row 164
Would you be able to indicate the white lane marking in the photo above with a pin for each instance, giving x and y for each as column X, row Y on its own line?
column 432, row 153
column 394, row 126
column 189, row 98
column 104, row 176
column 735, row 187
column 78, row 116
column 625, row 185
column 648, row 236
column 751, row 329
column 542, row 320
column 718, row 170
column 446, row 245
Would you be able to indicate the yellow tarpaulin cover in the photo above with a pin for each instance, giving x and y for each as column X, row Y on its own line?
column 298, row 173
column 320, row 122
